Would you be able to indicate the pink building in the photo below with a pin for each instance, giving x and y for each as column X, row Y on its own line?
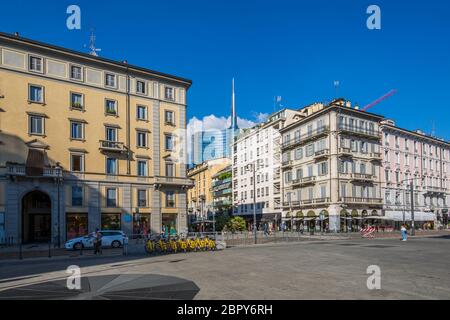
column 413, row 157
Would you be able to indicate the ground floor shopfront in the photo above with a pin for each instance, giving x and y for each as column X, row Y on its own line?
column 42, row 210
column 422, row 220
column 333, row 218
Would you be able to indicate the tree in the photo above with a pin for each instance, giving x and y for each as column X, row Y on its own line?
column 222, row 220
column 237, row 224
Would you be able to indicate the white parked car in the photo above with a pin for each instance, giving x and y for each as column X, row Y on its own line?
column 110, row 238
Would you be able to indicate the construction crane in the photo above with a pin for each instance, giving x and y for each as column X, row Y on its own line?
column 379, row 100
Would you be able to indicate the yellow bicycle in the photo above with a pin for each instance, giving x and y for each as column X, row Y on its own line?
column 183, row 245
column 150, row 246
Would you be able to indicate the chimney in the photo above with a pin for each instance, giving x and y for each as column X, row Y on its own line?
column 348, row 104
column 17, row 34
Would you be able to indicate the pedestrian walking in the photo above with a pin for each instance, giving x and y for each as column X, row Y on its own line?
column 404, row 233
column 266, row 229
column 301, row 228
column 97, row 242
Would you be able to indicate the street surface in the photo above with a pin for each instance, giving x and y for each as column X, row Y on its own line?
column 336, row 269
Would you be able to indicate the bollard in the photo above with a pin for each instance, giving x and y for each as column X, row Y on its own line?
column 50, row 249
column 81, row 250
column 20, row 251
column 124, row 249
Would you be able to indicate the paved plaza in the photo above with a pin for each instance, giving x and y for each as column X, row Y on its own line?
column 417, row 269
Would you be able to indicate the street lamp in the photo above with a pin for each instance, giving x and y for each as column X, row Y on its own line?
column 322, row 218
column 253, row 167
column 411, row 186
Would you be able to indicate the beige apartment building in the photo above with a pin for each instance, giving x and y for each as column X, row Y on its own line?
column 86, row 143
column 200, row 197
column 331, row 165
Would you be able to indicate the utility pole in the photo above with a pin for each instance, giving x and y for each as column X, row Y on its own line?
column 253, row 165
column 413, row 231
column 254, row 201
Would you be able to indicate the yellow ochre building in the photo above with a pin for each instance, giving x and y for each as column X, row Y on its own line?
column 86, row 143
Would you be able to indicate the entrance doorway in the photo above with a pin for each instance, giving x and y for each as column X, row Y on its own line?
column 36, row 217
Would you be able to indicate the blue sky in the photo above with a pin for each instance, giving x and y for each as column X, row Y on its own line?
column 294, row 49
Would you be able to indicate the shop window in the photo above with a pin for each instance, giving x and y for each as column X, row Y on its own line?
column 141, row 224
column 76, row 225
column 111, row 221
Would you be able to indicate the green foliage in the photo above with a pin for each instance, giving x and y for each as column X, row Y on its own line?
column 237, row 224
column 222, row 221
column 225, row 175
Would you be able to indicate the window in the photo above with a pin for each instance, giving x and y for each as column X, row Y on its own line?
column 111, row 197
column 287, row 176
column 168, row 142
column 76, row 130
column 169, row 93
column 76, row 73
column 76, row 162
column 364, row 147
column 35, row 64
column 141, row 112
column 323, row 192
column 110, row 80
column 111, row 107
column 310, row 150
column 111, row 166
column 170, row 170
column 76, row 101
column 77, row 196
column 36, row 125
column 111, row 134
column 170, row 199
column 140, row 87
column 142, row 198
column 36, row 94
column 362, row 168
column 310, row 171
column 323, row 168
column 343, row 190
column 141, row 139
column 142, row 168
column 169, row 117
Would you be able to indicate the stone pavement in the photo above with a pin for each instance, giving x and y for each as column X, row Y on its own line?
column 417, row 269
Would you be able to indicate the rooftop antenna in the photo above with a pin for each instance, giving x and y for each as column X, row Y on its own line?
column 433, row 129
column 93, row 50
column 336, row 84
column 277, row 103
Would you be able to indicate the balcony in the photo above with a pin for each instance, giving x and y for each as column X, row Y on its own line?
column 175, row 181
column 345, row 152
column 361, row 177
column 376, row 156
column 306, row 203
column 20, row 171
column 52, row 172
column 354, row 200
column 305, row 138
column 222, row 203
column 435, row 190
column 16, row 170
column 358, row 131
column 304, row 181
column 322, row 154
column 287, row 164
column 112, row 146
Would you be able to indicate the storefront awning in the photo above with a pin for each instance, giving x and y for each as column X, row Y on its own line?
column 418, row 216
